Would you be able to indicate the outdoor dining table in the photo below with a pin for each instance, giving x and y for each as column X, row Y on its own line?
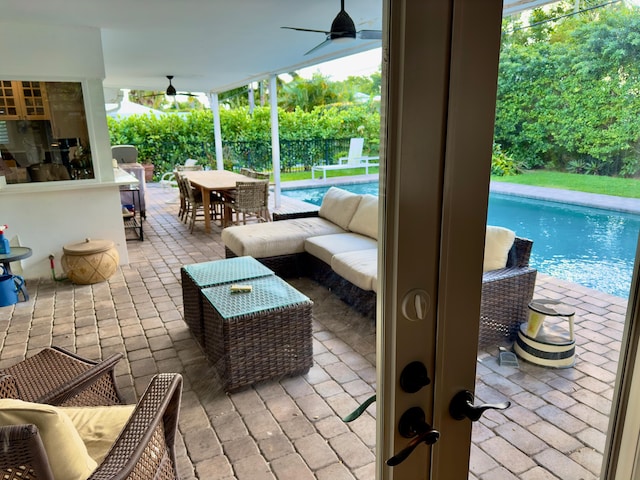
column 215, row 181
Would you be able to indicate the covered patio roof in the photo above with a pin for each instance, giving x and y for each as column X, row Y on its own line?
column 208, row 45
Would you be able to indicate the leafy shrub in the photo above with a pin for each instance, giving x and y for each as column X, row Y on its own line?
column 170, row 139
column 503, row 165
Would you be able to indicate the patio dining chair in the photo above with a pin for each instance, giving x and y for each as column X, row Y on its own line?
column 194, row 206
column 107, row 442
column 249, row 199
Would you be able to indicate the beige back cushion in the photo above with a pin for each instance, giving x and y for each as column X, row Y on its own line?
column 68, row 456
column 365, row 220
column 99, row 427
column 338, row 206
column 497, row 243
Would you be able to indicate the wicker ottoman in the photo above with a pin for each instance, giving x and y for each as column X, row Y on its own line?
column 259, row 335
column 197, row 276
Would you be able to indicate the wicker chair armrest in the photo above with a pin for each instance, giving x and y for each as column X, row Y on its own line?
column 146, row 445
column 27, row 455
column 95, row 387
column 288, row 216
column 59, row 377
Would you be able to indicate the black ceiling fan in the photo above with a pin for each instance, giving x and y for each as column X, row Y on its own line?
column 171, row 91
column 342, row 28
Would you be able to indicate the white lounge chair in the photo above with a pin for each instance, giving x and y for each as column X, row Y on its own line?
column 354, row 160
column 168, row 179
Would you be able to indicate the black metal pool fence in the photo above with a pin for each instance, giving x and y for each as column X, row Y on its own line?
column 295, row 155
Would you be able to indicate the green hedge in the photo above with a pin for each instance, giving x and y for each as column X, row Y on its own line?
column 168, row 140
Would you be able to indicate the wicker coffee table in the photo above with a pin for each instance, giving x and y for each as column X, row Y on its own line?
column 258, row 335
column 197, row 276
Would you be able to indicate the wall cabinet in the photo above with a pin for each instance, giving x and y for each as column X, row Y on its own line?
column 23, row 100
column 44, row 134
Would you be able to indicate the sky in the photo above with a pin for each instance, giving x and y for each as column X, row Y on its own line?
column 360, row 64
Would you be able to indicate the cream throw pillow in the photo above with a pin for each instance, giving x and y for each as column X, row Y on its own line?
column 99, row 427
column 338, row 206
column 365, row 220
column 67, row 454
column 497, row 243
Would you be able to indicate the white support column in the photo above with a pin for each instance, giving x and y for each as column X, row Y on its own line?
column 215, row 108
column 275, row 138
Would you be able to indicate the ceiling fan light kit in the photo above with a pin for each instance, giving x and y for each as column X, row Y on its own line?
column 171, row 90
column 342, row 30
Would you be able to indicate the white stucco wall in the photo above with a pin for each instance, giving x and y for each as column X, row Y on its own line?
column 48, row 215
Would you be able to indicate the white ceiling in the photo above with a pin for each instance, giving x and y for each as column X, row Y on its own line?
column 208, row 45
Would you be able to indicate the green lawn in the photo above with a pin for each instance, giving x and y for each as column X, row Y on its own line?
column 619, row 187
column 289, row 177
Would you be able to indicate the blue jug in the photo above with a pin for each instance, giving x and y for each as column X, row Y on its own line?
column 10, row 286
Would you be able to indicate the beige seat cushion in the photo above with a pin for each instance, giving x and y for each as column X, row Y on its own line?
column 68, row 456
column 360, row 267
column 261, row 240
column 365, row 219
column 498, row 241
column 99, row 427
column 326, row 246
column 338, row 206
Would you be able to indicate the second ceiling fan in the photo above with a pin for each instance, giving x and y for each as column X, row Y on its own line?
column 171, row 90
column 342, row 28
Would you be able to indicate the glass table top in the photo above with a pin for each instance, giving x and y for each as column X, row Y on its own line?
column 266, row 293
column 228, row 270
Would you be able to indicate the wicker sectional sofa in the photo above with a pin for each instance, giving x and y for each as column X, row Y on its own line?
column 337, row 246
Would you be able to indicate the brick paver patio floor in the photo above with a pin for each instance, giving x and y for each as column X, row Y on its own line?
column 291, row 428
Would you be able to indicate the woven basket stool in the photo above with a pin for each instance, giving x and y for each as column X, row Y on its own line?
column 197, row 276
column 258, row 335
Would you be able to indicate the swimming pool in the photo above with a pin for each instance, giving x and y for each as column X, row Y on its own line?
column 589, row 246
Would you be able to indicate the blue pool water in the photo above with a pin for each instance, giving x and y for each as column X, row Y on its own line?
column 591, row 247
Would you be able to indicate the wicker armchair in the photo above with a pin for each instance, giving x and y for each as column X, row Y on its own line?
column 59, row 377
column 143, row 451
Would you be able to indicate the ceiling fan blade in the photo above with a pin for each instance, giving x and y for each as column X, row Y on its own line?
column 320, row 45
column 306, row 30
column 370, row 34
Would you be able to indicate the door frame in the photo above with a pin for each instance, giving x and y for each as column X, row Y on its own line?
column 437, row 121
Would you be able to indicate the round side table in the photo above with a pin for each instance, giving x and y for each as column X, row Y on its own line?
column 15, row 254
column 544, row 340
